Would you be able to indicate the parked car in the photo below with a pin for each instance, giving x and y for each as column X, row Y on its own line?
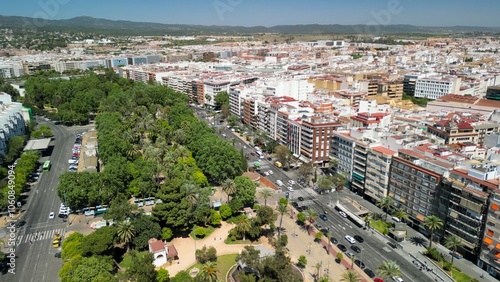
column 359, row 238
column 359, row 263
column 369, row 272
column 397, row 279
column 356, row 249
column 342, row 248
column 300, row 209
column 324, row 231
column 333, row 240
column 349, row 254
column 378, row 280
column 51, row 215
column 300, row 198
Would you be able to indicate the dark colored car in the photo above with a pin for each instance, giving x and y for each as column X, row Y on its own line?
column 333, row 240
column 300, row 198
column 369, row 272
column 57, row 255
column 295, row 204
column 359, row 263
column 342, row 247
column 300, row 209
column 324, row 230
column 359, row 238
column 356, row 249
column 323, row 217
column 20, row 223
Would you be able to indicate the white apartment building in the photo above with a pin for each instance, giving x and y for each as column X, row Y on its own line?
column 295, row 88
column 11, row 70
column 436, row 87
column 13, row 119
column 212, row 88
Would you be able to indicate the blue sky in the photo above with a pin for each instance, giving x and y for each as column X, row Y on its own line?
column 267, row 13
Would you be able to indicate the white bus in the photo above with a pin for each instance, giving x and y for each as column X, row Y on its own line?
column 260, row 154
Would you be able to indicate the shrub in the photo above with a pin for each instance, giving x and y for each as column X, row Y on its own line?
column 216, row 218
column 302, row 261
column 434, row 254
column 225, row 211
column 200, row 232
column 447, row 265
column 206, row 254
column 167, row 233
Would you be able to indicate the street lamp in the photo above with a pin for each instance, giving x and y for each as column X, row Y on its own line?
column 329, row 240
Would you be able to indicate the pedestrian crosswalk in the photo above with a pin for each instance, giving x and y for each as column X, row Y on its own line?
column 39, row 236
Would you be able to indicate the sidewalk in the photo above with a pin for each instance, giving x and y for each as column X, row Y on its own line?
column 303, row 244
column 187, row 247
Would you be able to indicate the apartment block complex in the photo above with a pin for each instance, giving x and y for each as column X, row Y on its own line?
column 414, row 184
column 13, row 120
column 378, row 164
column 435, row 87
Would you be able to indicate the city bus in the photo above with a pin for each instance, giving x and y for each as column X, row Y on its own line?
column 46, row 166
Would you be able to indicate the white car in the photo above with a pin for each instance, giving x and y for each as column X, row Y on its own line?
column 266, row 173
column 271, row 172
column 291, row 182
column 350, row 239
column 397, row 279
column 51, row 215
column 289, row 189
column 342, row 214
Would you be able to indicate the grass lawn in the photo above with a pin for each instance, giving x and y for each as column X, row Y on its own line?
column 455, row 274
column 127, row 259
column 459, row 276
column 248, row 242
column 224, row 263
column 209, row 230
column 379, row 225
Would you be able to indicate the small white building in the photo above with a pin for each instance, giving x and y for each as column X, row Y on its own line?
column 161, row 251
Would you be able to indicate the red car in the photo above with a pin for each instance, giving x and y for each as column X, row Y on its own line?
column 311, row 220
column 378, row 280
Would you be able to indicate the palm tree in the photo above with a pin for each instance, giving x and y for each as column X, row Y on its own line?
column 400, row 214
column 191, row 194
column 266, row 193
column 433, row 222
column 243, row 227
column 208, row 272
column 385, row 203
column 229, row 188
column 318, row 267
column 350, row 276
column 125, row 232
column 453, row 242
column 388, row 269
column 282, row 209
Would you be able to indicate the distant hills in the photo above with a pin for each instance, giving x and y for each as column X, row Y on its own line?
column 104, row 26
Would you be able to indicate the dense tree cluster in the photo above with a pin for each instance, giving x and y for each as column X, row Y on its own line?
column 17, row 178
column 150, row 144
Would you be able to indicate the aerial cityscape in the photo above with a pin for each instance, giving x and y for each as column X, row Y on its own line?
column 233, row 140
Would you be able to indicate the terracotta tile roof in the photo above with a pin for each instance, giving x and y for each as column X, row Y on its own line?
column 156, row 245
column 459, row 98
column 464, row 125
column 172, row 252
column 383, row 150
column 488, row 103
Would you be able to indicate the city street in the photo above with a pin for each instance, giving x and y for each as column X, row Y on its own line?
column 35, row 261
